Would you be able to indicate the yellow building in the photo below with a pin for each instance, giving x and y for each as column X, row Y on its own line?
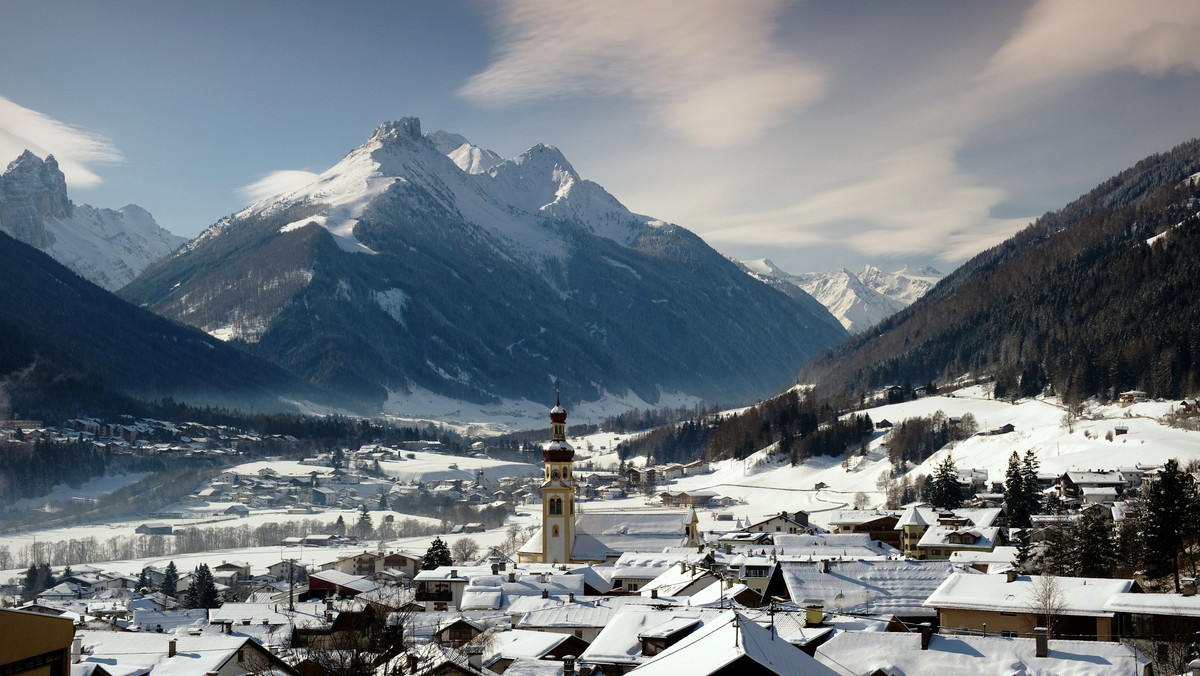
column 34, row 644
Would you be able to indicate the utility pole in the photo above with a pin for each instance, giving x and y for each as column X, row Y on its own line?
column 291, row 585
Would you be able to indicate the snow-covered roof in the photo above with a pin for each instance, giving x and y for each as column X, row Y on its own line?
column 517, row 643
column 853, row 653
column 643, row 565
column 1083, row 596
column 1175, row 605
column 138, row 651
column 913, row 516
column 726, row 639
column 941, row 536
column 618, row 642
column 891, row 587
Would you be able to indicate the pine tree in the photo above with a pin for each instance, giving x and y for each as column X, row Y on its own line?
column 946, row 491
column 364, row 527
column 1014, row 493
column 29, row 585
column 45, row 577
column 383, row 503
column 1094, row 554
column 438, row 554
column 1031, row 486
column 170, row 583
column 143, row 581
column 1169, row 521
column 202, row 593
column 339, row 527
column 208, row 587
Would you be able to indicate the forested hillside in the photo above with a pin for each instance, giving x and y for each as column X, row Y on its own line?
column 1096, row 296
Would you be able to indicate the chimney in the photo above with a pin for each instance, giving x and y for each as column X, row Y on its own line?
column 76, row 649
column 411, row 661
column 823, row 566
column 571, row 597
column 653, row 593
column 926, row 630
column 475, row 656
column 545, row 593
column 728, row 549
column 569, row 665
column 453, row 572
column 1041, row 640
column 1010, row 575
column 729, row 583
column 1189, row 586
column 683, row 566
column 503, row 564
column 171, row 647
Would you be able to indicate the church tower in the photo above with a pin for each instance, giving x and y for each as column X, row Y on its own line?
column 558, row 491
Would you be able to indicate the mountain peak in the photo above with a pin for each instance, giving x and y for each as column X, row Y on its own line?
column 403, row 130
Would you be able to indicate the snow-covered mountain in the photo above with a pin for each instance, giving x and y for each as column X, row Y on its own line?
column 106, row 246
column 423, row 263
column 860, row 300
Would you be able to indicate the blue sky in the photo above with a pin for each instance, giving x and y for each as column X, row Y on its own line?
column 817, row 134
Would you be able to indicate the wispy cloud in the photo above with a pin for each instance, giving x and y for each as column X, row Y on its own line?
column 75, row 149
column 275, row 183
column 1065, row 40
column 705, row 70
column 916, row 201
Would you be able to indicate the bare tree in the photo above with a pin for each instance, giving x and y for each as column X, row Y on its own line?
column 464, row 550
column 1046, row 602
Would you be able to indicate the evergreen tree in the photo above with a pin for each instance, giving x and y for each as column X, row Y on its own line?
column 339, row 527
column 202, row 592
column 1022, row 492
column 45, row 577
column 364, row 527
column 1025, row 555
column 143, row 579
column 946, row 491
column 1094, row 554
column 29, row 585
column 1169, row 521
column 170, row 581
column 1014, row 493
column 383, row 503
column 438, row 554
column 1032, row 487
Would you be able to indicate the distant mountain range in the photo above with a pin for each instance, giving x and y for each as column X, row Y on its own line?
column 1097, row 297
column 105, row 246
column 423, row 263
column 859, row 301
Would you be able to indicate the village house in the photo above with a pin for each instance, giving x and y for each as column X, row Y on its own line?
column 794, row 523
column 878, row 525
column 1013, row 605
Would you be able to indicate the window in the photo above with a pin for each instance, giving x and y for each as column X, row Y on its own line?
column 1008, row 633
column 554, row 532
column 578, row 633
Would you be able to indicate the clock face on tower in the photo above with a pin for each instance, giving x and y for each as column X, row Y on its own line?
column 554, row 474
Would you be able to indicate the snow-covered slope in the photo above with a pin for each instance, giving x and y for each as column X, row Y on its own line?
column 861, row 300
column 104, row 246
column 767, row 485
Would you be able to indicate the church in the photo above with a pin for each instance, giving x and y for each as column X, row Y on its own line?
column 567, row 536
